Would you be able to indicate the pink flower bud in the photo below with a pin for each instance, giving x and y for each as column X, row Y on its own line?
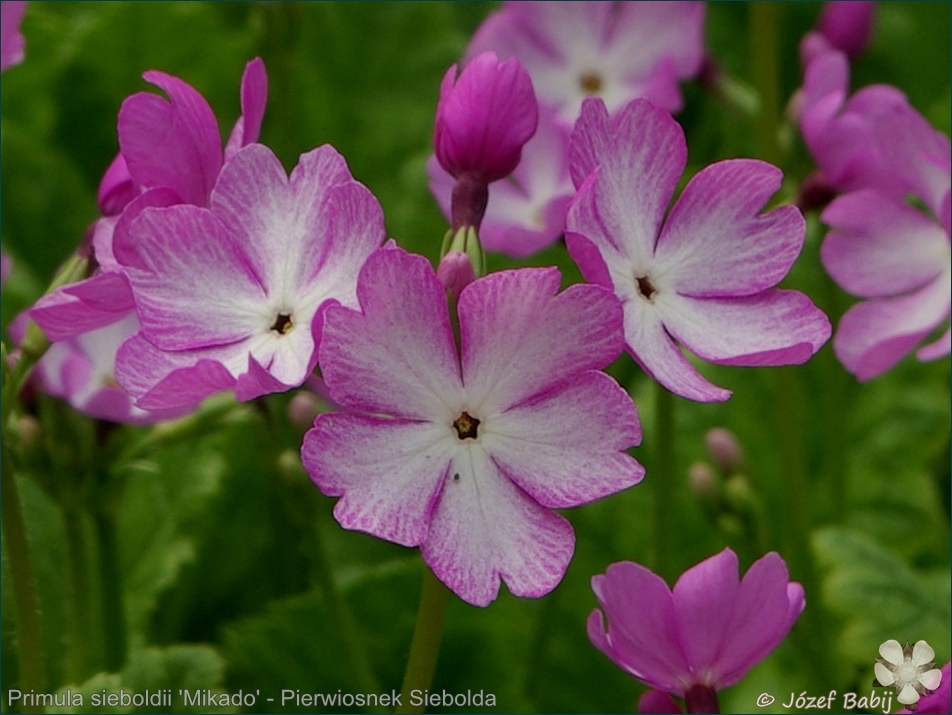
column 847, row 25
column 484, row 117
column 724, row 450
column 455, row 272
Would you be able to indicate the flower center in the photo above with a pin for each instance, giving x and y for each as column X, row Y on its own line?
column 282, row 324
column 645, row 287
column 466, row 426
column 590, row 82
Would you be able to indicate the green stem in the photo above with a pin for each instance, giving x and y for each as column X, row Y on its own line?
column 78, row 592
column 110, row 586
column 764, row 48
column 663, row 475
column 29, row 635
column 425, row 646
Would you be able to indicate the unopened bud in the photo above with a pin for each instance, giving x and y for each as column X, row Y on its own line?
column 703, row 482
column 724, row 450
column 466, row 240
column 303, row 409
column 455, row 272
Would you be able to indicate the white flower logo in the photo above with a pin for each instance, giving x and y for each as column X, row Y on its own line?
column 909, row 668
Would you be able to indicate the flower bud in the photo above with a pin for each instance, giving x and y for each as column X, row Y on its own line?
column 455, row 272
column 303, row 409
column 724, row 450
column 484, row 117
column 847, row 25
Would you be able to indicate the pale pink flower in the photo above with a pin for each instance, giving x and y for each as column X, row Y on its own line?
column 701, row 275
column 12, row 44
column 465, row 451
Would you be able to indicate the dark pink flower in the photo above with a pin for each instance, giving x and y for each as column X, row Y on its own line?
column 12, row 44
column 526, row 212
column 847, row 24
column 484, row 117
column 705, row 633
column 465, row 450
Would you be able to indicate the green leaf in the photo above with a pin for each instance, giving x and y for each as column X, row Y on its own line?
column 879, row 596
column 177, row 679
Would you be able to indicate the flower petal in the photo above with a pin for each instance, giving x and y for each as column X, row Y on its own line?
column 884, row 675
column 567, row 447
column 199, row 289
column 254, row 99
column 704, row 600
column 168, row 381
column 171, row 144
column 388, row 473
column 876, row 334
column 880, row 247
column 276, row 219
column 486, row 529
column 652, row 347
column 642, row 154
column 643, row 636
column 518, row 338
column 892, row 652
column 908, row 695
column 87, row 305
column 922, row 653
column 761, row 619
column 397, row 356
column 774, row 327
column 931, row 679
column 715, row 242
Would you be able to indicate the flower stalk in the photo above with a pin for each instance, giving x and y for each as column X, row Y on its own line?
column 425, row 646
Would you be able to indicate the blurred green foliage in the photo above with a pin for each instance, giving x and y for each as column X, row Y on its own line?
column 235, row 575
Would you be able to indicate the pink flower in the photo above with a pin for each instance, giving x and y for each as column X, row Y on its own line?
column 526, row 212
column 81, row 371
column 465, row 452
column 163, row 172
column 176, row 144
column 701, row 636
column 877, row 148
column 900, row 260
column 232, row 296
column 616, row 51
column 12, row 44
column 700, row 276
column 484, row 117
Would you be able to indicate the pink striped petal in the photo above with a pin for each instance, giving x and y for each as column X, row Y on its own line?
column 560, row 468
column 519, row 339
column 80, row 307
column 199, row 289
column 165, row 380
column 397, row 356
column 715, row 242
column 642, row 154
column 775, row 327
column 880, row 247
column 389, row 473
column 486, row 529
column 653, row 349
